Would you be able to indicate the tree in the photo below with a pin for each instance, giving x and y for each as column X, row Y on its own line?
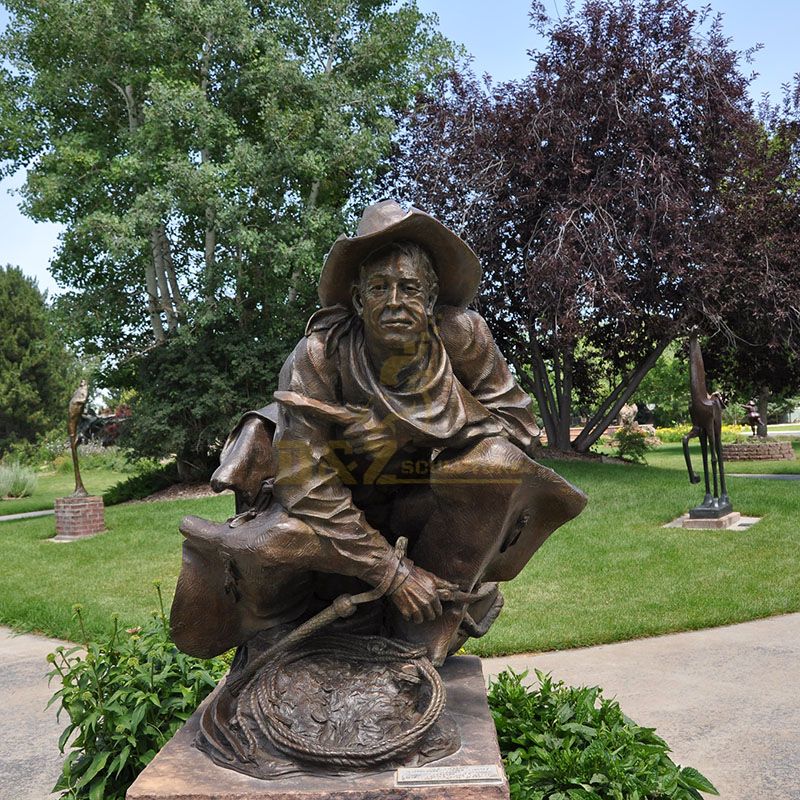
column 202, row 156
column 756, row 326
column 587, row 190
column 666, row 386
column 36, row 372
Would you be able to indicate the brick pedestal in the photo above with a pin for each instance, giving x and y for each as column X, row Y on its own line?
column 77, row 517
column 758, row 451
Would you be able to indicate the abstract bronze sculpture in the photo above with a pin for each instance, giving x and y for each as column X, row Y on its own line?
column 76, row 405
column 379, row 503
column 706, row 414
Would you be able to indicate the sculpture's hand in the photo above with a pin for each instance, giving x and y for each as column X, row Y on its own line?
column 418, row 596
column 368, row 434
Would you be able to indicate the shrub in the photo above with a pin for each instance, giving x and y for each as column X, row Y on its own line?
column 632, row 443
column 42, row 452
column 16, row 480
column 567, row 743
column 150, row 477
column 125, row 698
column 94, row 456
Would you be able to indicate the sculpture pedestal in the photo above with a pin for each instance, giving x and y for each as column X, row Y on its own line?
column 78, row 517
column 712, row 523
column 181, row 772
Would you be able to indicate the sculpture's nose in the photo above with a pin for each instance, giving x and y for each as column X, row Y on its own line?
column 221, row 480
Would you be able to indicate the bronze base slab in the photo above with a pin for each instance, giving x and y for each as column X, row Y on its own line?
column 181, row 772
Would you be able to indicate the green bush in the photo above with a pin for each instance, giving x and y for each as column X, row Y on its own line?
column 16, row 480
column 150, row 477
column 95, row 456
column 125, row 698
column 567, row 743
column 632, row 444
column 41, row 452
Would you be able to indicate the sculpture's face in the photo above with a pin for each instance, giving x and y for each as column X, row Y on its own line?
column 394, row 299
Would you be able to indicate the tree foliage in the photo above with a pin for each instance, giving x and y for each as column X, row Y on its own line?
column 36, row 372
column 588, row 190
column 202, row 157
column 753, row 291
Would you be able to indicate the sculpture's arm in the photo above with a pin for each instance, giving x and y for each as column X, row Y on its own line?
column 479, row 365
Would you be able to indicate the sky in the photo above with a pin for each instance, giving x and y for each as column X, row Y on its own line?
column 496, row 34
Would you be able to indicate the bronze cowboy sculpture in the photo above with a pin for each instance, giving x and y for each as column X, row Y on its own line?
column 394, row 467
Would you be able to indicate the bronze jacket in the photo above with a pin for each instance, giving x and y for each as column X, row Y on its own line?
column 460, row 391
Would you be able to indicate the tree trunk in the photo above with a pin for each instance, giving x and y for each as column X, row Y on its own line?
column 169, row 268
column 152, row 302
column 161, row 277
column 152, row 278
column 611, row 406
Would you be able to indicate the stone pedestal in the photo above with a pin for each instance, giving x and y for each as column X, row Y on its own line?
column 181, row 772
column 712, row 523
column 78, row 517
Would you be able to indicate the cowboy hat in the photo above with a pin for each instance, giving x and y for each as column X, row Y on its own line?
column 454, row 261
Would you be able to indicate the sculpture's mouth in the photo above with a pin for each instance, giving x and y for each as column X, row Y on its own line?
column 398, row 323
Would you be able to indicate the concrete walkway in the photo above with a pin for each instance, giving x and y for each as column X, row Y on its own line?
column 29, row 759
column 727, row 700
column 48, row 512
column 772, row 477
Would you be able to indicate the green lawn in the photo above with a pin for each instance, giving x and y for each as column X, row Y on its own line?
column 612, row 574
column 50, row 485
column 112, row 572
column 670, row 456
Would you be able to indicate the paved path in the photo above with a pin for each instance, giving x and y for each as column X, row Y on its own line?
column 727, row 700
column 27, row 515
column 29, row 759
column 785, row 477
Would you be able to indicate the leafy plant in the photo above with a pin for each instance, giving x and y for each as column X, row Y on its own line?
column 16, row 480
column 95, row 456
column 125, row 698
column 632, row 443
column 567, row 743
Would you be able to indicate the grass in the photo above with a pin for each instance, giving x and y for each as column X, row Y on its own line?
column 112, row 572
column 612, row 574
column 615, row 573
column 670, row 456
column 58, row 484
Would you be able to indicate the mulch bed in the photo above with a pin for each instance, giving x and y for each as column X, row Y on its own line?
column 183, row 491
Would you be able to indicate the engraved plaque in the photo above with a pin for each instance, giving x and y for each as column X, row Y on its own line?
column 431, row 776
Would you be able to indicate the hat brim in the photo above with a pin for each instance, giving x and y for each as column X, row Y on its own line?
column 456, row 265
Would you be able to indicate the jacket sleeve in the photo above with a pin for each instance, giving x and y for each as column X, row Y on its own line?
column 311, row 480
column 479, row 365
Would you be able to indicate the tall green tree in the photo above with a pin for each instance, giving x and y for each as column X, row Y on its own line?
column 36, row 372
column 202, row 156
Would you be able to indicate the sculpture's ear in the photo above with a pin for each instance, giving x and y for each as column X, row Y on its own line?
column 355, row 295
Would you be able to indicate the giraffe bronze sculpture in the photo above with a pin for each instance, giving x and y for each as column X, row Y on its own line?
column 706, row 414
